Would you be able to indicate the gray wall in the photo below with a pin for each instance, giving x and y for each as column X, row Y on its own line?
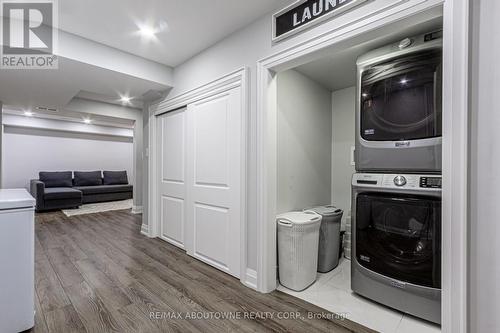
column 30, row 150
column 484, row 263
column 343, row 124
column 304, row 142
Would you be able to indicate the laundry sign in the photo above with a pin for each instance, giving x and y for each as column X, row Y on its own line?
column 305, row 13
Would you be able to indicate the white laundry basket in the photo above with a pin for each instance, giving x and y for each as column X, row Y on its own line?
column 298, row 238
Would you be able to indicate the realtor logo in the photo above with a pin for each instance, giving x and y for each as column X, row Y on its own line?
column 29, row 34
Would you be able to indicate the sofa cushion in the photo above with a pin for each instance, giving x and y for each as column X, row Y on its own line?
column 115, row 178
column 56, row 179
column 87, row 190
column 88, row 178
column 57, row 193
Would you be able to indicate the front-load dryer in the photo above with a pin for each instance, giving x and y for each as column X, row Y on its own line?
column 396, row 241
column 398, row 108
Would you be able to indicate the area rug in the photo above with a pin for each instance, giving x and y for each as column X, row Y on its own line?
column 99, row 207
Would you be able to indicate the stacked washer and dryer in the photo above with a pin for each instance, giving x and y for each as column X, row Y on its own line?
column 396, row 191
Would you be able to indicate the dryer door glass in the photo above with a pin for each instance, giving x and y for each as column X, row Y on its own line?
column 399, row 236
column 401, row 98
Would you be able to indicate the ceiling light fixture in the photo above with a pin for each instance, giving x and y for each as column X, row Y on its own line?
column 87, row 121
column 125, row 99
column 147, row 32
column 404, row 81
column 28, row 113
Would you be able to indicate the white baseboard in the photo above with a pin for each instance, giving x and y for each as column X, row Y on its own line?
column 136, row 209
column 145, row 230
column 251, row 278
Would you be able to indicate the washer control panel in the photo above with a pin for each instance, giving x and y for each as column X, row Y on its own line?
column 400, row 180
column 397, row 181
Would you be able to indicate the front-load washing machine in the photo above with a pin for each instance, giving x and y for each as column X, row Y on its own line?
column 396, row 241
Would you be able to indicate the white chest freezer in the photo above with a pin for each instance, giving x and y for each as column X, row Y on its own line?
column 17, row 260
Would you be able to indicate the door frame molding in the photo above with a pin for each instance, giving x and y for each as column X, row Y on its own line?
column 159, row 210
column 455, row 147
column 237, row 78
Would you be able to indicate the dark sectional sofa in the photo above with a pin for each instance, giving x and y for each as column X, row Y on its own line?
column 60, row 190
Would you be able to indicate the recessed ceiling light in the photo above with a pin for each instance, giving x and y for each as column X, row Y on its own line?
column 147, row 31
column 125, row 99
column 404, row 81
column 28, row 113
column 87, row 121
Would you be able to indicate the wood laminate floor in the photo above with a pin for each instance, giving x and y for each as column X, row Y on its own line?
column 97, row 273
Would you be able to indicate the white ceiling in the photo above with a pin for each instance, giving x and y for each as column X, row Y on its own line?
column 56, row 88
column 338, row 70
column 189, row 26
column 193, row 25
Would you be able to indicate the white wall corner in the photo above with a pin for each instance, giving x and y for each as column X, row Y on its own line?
column 145, row 230
column 251, row 278
column 136, row 210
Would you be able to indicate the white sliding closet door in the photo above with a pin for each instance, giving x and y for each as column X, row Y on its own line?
column 201, row 178
column 214, row 166
column 172, row 175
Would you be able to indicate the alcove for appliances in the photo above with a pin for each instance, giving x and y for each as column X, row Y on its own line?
column 315, row 163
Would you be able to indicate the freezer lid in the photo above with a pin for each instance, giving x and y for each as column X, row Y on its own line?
column 15, row 198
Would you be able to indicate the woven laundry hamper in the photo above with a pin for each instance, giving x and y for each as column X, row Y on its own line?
column 298, row 238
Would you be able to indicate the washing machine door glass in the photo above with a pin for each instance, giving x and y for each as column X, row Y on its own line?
column 399, row 236
column 401, row 98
